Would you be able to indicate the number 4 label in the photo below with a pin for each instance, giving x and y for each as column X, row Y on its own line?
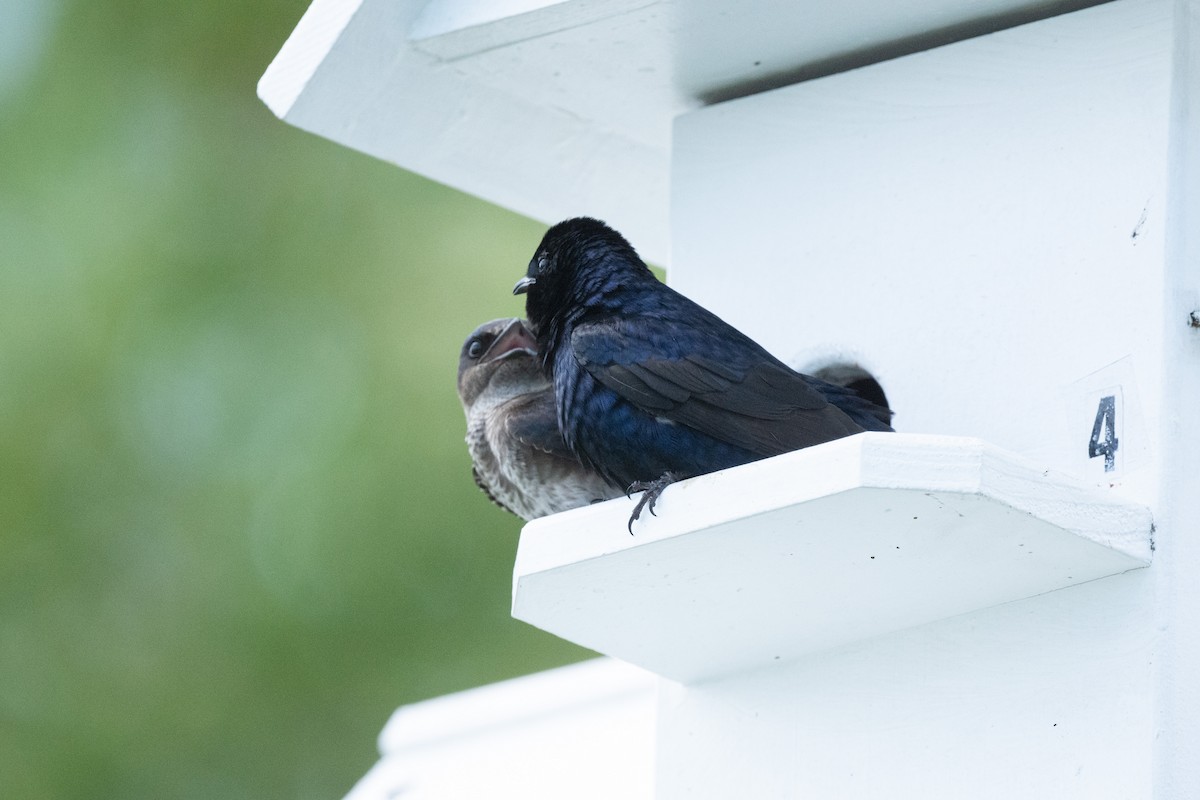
column 1104, row 441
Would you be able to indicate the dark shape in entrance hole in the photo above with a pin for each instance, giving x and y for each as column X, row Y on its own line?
column 854, row 377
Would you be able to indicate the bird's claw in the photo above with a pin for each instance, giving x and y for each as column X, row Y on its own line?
column 638, row 486
column 653, row 490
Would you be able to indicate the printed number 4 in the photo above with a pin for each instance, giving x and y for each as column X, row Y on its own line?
column 1104, row 433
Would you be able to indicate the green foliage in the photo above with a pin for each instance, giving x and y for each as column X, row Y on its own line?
column 237, row 523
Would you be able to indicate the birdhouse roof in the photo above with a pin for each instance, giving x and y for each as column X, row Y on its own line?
column 554, row 109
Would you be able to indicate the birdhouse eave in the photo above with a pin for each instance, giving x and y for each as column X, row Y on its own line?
column 554, row 109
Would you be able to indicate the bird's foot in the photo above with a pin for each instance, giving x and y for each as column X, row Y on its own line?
column 652, row 491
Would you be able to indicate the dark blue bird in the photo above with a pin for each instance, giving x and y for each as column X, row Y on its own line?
column 651, row 387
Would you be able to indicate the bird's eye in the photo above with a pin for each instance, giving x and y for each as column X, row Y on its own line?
column 475, row 349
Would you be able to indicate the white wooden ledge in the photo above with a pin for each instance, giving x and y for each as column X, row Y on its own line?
column 818, row 548
column 549, row 735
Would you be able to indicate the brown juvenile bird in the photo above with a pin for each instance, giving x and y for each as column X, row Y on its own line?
column 520, row 460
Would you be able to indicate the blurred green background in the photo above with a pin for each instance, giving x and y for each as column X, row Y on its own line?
column 237, row 521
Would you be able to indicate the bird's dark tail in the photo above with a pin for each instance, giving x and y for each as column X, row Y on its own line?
column 866, row 413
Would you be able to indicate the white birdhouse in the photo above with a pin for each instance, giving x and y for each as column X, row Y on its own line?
column 990, row 209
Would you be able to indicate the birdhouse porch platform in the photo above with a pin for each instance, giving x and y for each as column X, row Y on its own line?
column 817, row 549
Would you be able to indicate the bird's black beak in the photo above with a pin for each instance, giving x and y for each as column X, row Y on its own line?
column 523, row 285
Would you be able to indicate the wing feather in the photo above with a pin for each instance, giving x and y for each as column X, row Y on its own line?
column 737, row 393
column 532, row 420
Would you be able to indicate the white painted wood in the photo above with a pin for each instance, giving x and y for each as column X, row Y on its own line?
column 450, row 16
column 546, row 736
column 1042, row 699
column 579, row 95
column 290, row 72
column 959, row 221
column 815, row 549
column 1001, row 230
column 1177, row 614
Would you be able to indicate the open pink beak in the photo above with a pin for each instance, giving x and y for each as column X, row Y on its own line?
column 515, row 338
